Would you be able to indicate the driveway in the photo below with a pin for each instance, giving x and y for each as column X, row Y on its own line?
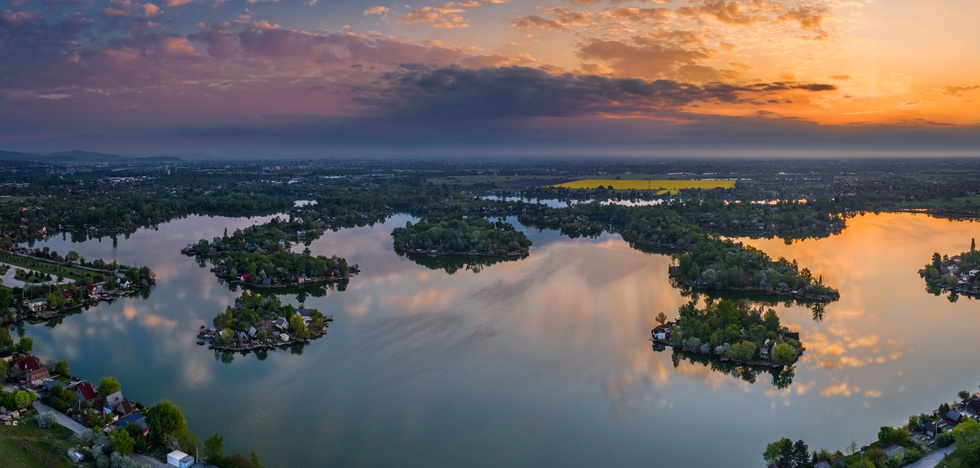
column 933, row 458
column 150, row 461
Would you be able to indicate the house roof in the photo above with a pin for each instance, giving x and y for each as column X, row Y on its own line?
column 953, row 415
column 974, row 405
column 125, row 407
column 114, row 399
column 305, row 312
column 38, row 374
column 28, row 363
column 38, row 301
column 86, row 390
column 823, row 464
column 134, row 418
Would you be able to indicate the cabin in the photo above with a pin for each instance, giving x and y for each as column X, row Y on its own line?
column 179, row 459
column 281, row 323
column 133, row 419
column 111, row 402
column 973, row 407
column 954, row 417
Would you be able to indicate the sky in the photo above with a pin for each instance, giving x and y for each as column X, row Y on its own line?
column 319, row 78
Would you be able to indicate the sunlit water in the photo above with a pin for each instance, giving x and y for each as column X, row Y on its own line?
column 543, row 361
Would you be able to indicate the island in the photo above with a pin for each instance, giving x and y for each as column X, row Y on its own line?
column 959, row 274
column 719, row 264
column 258, row 322
column 730, row 331
column 458, row 236
column 259, row 256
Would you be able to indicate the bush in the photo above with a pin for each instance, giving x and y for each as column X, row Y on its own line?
column 47, row 420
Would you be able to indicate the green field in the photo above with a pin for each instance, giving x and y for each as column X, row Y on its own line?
column 54, row 270
column 27, row 445
column 661, row 186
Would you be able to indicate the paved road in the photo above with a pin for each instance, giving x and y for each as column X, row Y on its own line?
column 152, row 462
column 933, row 458
column 70, row 423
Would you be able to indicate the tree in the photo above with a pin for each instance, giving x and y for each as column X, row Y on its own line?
column 165, row 421
column 61, row 367
column 661, row 318
column 772, row 455
column 298, row 327
column 966, row 432
column 214, row 449
column 25, row 345
column 107, row 386
column 877, row 457
column 852, row 447
column 964, row 395
column 122, row 441
column 783, row 354
column 801, row 454
column 743, row 351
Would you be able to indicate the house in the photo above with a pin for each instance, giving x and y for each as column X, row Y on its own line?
column 37, row 305
column 125, row 408
column 894, row 452
column 111, row 402
column 267, row 282
column 135, row 418
column 974, row 407
column 246, row 277
column 37, row 376
column 85, row 391
column 67, row 294
column 24, row 365
column 931, row 429
column 179, row 459
column 252, row 331
column 954, row 417
column 823, row 464
column 281, row 323
column 283, row 337
column 792, row 336
column 6, row 356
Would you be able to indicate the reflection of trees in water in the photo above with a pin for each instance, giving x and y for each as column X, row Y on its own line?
column 758, row 299
column 227, row 357
column 452, row 264
column 951, row 295
column 301, row 292
column 781, row 377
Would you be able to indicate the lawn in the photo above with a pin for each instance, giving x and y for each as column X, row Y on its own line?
column 27, row 445
column 661, row 186
column 54, row 270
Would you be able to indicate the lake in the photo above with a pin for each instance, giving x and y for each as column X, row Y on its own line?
column 539, row 361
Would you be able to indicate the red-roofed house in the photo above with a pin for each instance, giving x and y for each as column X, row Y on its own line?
column 85, row 391
column 24, row 365
column 37, row 376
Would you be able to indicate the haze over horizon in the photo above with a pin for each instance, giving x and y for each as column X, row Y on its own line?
column 490, row 77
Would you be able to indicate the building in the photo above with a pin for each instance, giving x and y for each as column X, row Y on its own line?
column 180, row 459
column 37, row 305
column 37, row 376
column 85, row 391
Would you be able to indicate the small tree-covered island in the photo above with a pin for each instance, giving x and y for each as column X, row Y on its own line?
column 259, row 256
column 724, row 265
column 959, row 274
column 458, row 236
column 730, row 331
column 261, row 322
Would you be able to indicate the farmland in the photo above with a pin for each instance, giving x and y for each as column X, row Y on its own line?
column 662, row 186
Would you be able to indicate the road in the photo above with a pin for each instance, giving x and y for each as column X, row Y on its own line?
column 149, row 461
column 933, row 458
column 70, row 423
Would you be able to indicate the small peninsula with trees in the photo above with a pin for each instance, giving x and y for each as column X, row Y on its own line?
column 730, row 331
column 959, row 274
column 458, row 236
column 261, row 322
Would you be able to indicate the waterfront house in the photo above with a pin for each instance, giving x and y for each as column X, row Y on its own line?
column 954, row 417
column 133, row 419
column 85, row 391
column 252, row 331
column 283, row 337
column 973, row 407
column 281, row 323
column 267, row 282
column 37, row 305
column 24, row 365
column 124, row 408
column 37, row 376
column 792, row 336
column 246, row 277
column 6, row 356
column 111, row 402
column 931, row 429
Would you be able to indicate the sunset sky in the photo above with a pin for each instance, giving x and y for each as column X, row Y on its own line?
column 491, row 77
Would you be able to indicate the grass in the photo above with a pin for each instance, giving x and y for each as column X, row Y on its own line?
column 27, row 445
column 661, row 186
column 44, row 267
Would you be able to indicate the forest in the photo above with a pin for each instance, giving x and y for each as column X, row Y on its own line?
column 461, row 236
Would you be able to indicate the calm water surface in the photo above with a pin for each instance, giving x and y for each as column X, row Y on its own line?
column 542, row 361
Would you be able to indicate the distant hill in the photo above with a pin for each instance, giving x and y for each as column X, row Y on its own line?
column 80, row 157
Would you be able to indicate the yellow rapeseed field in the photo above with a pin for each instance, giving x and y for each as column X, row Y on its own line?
column 662, row 186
